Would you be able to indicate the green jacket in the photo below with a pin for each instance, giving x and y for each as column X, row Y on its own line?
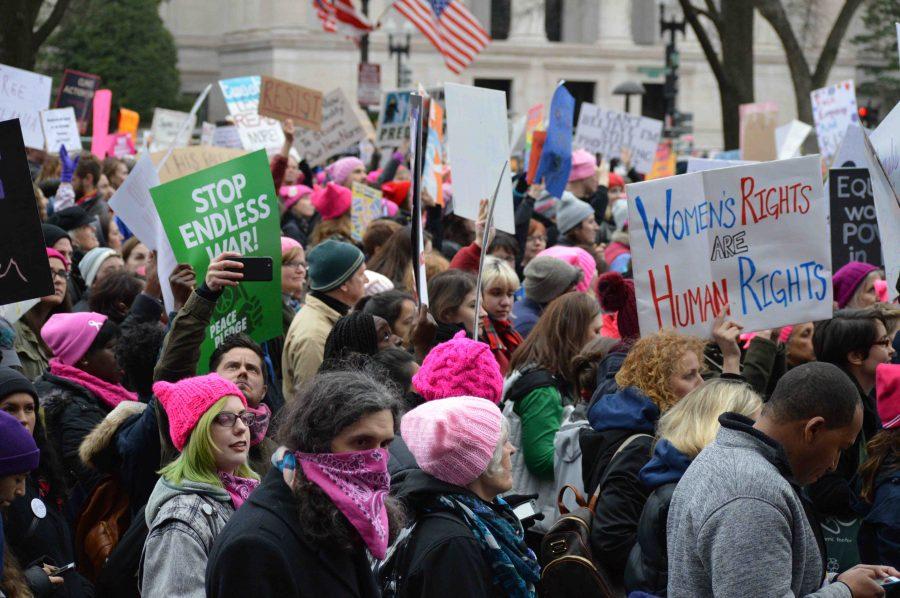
column 541, row 413
column 32, row 351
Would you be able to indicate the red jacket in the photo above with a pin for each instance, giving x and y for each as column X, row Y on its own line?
column 467, row 259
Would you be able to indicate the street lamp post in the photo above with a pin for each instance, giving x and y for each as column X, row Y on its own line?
column 628, row 89
column 399, row 43
column 670, row 90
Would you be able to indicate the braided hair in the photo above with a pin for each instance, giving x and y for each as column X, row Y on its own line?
column 353, row 333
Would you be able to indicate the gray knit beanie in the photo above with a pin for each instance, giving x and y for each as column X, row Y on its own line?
column 570, row 212
column 546, row 278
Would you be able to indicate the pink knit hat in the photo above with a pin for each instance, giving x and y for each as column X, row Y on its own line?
column 288, row 243
column 332, row 201
column 847, row 280
column 69, row 336
column 583, row 165
column 578, row 257
column 55, row 254
column 291, row 194
column 458, row 367
column 341, row 169
column 887, row 389
column 187, row 400
column 372, row 177
column 453, row 439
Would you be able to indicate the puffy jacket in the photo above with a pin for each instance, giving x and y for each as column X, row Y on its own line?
column 647, row 568
column 614, row 418
column 183, row 520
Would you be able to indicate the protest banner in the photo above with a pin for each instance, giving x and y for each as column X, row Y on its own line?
column 282, row 100
column 753, row 239
column 534, row 120
column 887, row 200
column 433, row 173
column 364, row 208
column 23, row 95
column 478, row 147
column 231, row 207
column 607, row 132
column 24, row 271
column 60, row 128
column 227, row 136
column 757, row 131
column 77, row 90
column 555, row 161
column 341, row 129
column 664, row 162
column 534, row 159
column 165, row 126
column 368, row 84
column 701, row 164
column 188, row 160
column 789, row 139
column 255, row 131
column 393, row 120
column 100, row 141
column 834, row 108
column 854, row 227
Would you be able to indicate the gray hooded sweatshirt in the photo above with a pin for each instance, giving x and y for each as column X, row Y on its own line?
column 737, row 526
column 183, row 520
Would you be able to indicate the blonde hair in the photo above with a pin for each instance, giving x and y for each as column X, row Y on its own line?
column 694, row 422
column 653, row 360
column 497, row 272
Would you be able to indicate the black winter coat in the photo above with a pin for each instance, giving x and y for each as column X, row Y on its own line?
column 263, row 553
column 648, row 565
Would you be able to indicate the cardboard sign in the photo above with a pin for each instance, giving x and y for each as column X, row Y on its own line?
column 60, row 128
column 368, row 84
column 255, row 131
column 752, row 238
column 834, row 108
column 341, row 129
column 478, row 147
column 757, row 131
column 282, row 100
column 664, row 162
column 433, row 174
column 701, row 164
column 229, row 207
column 23, row 95
column 365, row 207
column 191, row 159
column 24, row 271
column 854, row 227
column 555, row 161
column 165, row 126
column 789, row 139
column 607, row 132
column 77, row 90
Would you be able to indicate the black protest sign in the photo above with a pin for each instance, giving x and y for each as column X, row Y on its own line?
column 854, row 228
column 24, row 271
column 77, row 90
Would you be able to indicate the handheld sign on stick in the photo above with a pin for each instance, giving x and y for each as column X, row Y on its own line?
column 484, row 247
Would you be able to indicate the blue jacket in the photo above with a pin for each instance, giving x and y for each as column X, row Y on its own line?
column 525, row 314
column 879, row 534
column 627, row 409
column 606, row 375
column 666, row 466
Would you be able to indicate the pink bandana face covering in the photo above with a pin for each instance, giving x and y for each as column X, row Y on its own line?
column 263, row 417
column 238, row 488
column 356, row 482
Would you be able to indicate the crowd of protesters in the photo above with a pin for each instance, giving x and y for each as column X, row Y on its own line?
column 376, row 448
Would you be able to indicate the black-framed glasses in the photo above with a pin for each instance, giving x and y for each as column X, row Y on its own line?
column 59, row 274
column 226, row 419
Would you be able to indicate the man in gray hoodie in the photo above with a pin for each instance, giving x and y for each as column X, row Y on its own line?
column 737, row 524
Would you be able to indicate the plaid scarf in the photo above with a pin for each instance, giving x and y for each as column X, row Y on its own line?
column 502, row 338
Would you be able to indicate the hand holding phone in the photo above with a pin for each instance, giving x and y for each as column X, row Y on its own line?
column 255, row 269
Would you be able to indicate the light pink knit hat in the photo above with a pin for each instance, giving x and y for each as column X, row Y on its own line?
column 341, row 169
column 69, row 336
column 187, row 400
column 459, row 367
column 453, row 439
column 578, row 257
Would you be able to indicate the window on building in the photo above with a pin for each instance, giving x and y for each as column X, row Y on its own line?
column 500, row 18
column 553, row 19
column 504, row 85
column 582, row 91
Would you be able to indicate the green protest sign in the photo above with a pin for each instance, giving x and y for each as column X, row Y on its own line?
column 228, row 207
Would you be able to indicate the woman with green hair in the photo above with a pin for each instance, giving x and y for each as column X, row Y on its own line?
column 198, row 492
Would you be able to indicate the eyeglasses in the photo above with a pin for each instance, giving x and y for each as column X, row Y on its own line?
column 537, row 238
column 884, row 342
column 59, row 274
column 226, row 419
column 295, row 265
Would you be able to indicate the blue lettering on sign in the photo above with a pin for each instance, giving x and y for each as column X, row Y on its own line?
column 780, row 287
column 687, row 221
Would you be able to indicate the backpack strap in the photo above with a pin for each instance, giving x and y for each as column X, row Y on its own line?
column 592, row 503
column 529, row 381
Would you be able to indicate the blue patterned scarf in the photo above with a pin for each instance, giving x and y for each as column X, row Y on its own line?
column 514, row 567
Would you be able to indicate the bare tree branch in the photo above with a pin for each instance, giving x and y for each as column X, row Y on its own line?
column 773, row 12
column 47, row 27
column 691, row 15
column 833, row 43
column 713, row 13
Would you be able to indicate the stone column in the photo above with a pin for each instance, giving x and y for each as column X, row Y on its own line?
column 527, row 21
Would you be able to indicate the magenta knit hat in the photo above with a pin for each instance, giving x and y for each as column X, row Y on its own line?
column 847, row 280
column 583, row 165
column 887, row 389
column 187, row 400
column 341, row 169
column 332, row 201
column 69, row 336
column 578, row 257
column 460, row 367
column 453, row 439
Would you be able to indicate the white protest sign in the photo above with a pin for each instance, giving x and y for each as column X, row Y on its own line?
column 341, row 128
column 883, row 161
column 60, row 128
column 607, row 132
column 852, row 151
column 255, row 131
column 790, row 137
column 886, row 141
column 897, row 25
column 207, row 133
column 701, row 164
column 23, row 95
column 834, row 108
column 478, row 148
column 13, row 312
column 134, row 205
column 165, row 127
column 753, row 238
column 227, row 136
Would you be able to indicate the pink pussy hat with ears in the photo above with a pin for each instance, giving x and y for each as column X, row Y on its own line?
column 341, row 169
column 187, row 400
column 291, row 194
column 887, row 389
column 459, row 367
column 69, row 336
column 453, row 439
column 332, row 201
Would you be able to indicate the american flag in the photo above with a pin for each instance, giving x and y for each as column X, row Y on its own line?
column 341, row 16
column 450, row 28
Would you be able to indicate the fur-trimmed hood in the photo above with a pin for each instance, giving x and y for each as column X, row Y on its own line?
column 97, row 449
